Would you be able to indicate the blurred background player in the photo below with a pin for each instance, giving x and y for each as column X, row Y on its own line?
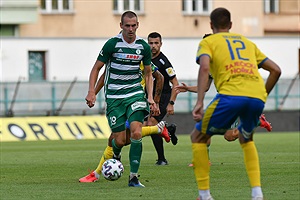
column 168, row 97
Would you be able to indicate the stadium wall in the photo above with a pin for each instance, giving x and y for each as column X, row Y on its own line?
column 96, row 127
column 67, row 58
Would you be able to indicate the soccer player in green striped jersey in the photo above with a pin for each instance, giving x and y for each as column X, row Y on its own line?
column 124, row 94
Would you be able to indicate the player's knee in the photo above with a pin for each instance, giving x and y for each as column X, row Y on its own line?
column 198, row 137
column 246, row 136
column 136, row 134
column 120, row 140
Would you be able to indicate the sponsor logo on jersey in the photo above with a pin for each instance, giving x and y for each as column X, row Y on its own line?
column 137, row 105
column 120, row 51
column 101, row 53
column 133, row 57
column 138, row 51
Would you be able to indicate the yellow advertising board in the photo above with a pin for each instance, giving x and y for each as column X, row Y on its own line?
column 53, row 128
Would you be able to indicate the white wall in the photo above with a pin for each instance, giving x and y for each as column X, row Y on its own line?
column 284, row 51
column 69, row 58
column 66, row 58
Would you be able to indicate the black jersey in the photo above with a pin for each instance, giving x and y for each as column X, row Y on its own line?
column 166, row 69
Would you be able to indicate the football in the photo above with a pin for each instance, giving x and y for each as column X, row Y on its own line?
column 112, row 169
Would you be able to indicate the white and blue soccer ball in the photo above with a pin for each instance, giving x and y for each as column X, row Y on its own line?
column 112, row 169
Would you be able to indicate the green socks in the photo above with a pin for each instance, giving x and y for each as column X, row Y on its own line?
column 135, row 155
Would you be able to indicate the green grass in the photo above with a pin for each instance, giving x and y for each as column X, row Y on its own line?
column 51, row 169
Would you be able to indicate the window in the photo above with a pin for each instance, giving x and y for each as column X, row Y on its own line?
column 120, row 6
column 37, row 65
column 271, row 6
column 8, row 30
column 196, row 7
column 56, row 6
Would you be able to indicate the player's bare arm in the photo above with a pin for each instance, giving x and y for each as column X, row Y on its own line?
column 185, row 88
column 170, row 107
column 149, row 87
column 274, row 75
column 202, row 85
column 91, row 96
column 159, row 86
column 100, row 83
column 158, row 89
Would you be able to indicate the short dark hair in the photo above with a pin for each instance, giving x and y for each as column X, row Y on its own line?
column 220, row 18
column 154, row 35
column 129, row 14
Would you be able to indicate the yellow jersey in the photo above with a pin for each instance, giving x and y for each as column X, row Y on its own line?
column 153, row 68
column 234, row 62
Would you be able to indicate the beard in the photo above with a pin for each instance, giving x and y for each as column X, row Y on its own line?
column 154, row 51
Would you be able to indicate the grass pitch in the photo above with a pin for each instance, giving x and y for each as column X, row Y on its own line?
column 51, row 169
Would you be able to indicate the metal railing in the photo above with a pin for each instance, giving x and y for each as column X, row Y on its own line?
column 68, row 98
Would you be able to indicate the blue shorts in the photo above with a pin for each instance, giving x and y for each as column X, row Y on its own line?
column 127, row 124
column 223, row 111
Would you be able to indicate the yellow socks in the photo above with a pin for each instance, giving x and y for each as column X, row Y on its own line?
column 252, row 163
column 148, row 130
column 202, row 168
column 107, row 154
column 201, row 165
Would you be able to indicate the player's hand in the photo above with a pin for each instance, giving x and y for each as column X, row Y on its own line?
column 181, row 88
column 154, row 109
column 155, row 112
column 90, row 99
column 231, row 135
column 170, row 109
column 198, row 112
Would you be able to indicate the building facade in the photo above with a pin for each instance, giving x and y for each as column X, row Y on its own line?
column 172, row 18
column 27, row 26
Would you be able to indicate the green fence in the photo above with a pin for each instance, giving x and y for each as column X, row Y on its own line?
column 68, row 98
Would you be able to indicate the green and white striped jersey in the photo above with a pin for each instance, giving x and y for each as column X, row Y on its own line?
column 123, row 77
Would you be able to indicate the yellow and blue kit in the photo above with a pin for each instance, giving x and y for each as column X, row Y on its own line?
column 234, row 63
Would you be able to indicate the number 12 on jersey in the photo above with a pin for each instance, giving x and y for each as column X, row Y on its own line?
column 240, row 46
